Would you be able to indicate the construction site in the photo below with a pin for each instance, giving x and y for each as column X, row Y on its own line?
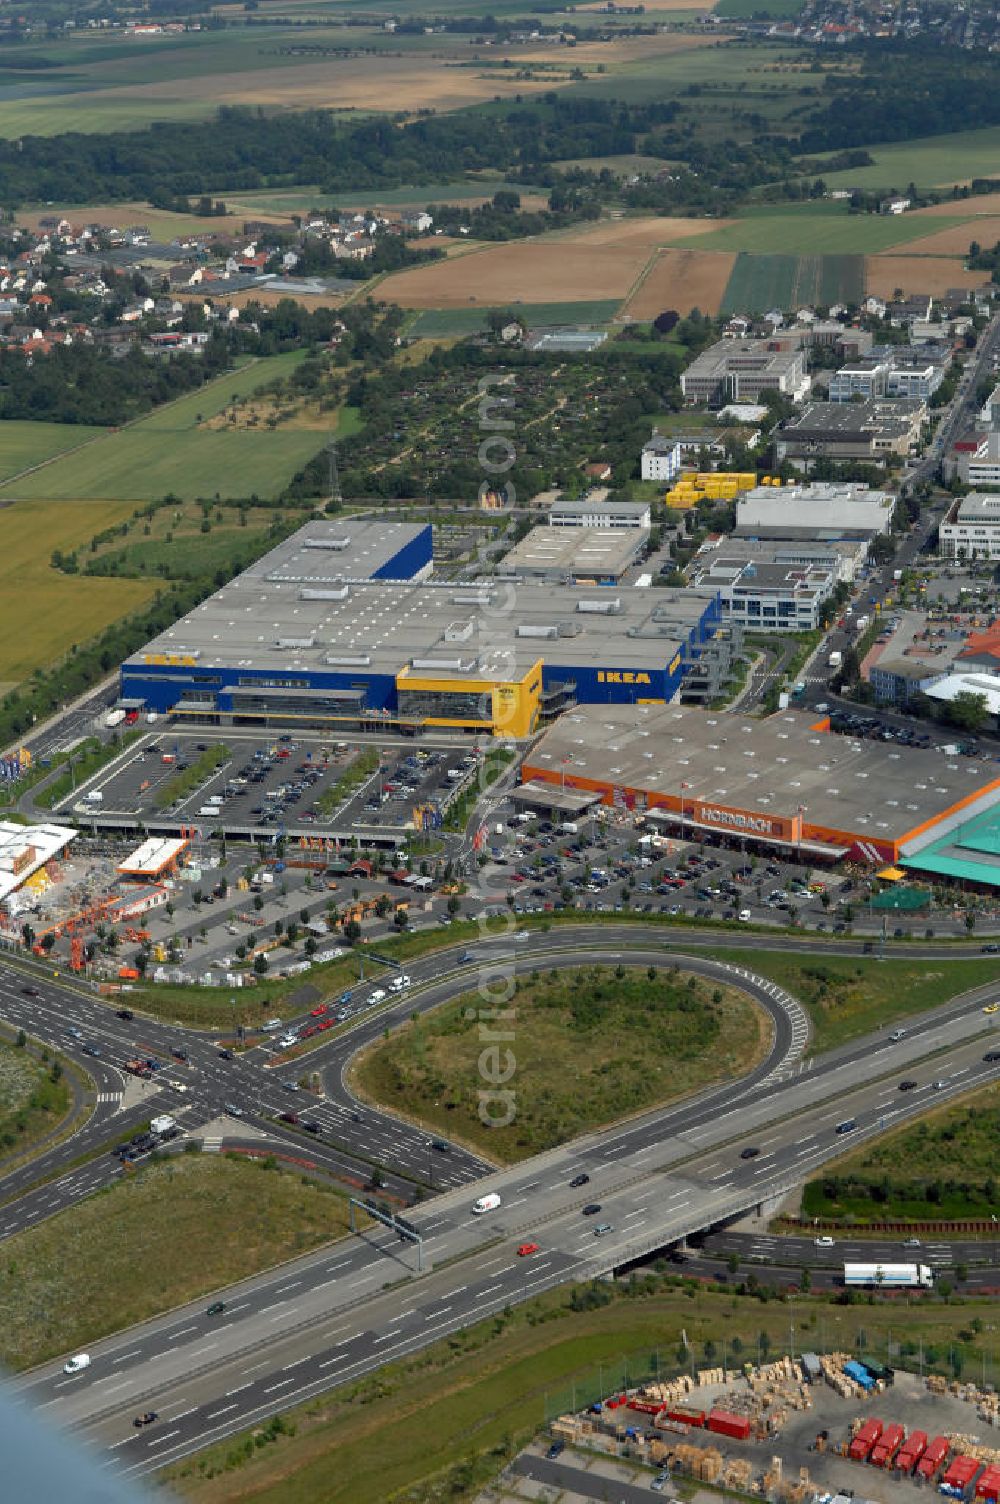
column 800, row 1431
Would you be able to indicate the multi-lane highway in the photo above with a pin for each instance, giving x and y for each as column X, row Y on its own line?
column 345, row 1310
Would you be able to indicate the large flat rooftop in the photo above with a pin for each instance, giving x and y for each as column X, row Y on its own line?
column 769, row 767
column 332, row 549
column 287, row 616
column 563, row 552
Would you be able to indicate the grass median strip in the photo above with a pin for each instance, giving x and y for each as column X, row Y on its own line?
column 162, row 1235
column 571, row 1050
column 184, row 783
column 846, row 996
column 940, row 1168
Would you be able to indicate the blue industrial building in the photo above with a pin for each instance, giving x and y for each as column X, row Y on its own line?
column 342, row 626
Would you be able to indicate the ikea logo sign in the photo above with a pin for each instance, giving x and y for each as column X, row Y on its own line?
column 608, row 676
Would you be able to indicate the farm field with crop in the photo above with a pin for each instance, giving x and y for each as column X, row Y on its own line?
column 25, row 444
column 816, row 233
column 453, row 323
column 44, row 613
column 762, row 282
column 929, row 162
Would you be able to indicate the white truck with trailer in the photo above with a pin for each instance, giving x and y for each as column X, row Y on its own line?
column 888, row 1276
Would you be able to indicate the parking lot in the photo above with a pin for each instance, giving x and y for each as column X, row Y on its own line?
column 605, row 865
column 288, row 783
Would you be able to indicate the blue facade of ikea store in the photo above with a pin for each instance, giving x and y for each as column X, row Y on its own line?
column 410, row 559
column 173, row 681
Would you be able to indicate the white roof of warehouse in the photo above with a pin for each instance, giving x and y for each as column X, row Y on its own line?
column 987, row 685
column 153, row 855
column 45, row 841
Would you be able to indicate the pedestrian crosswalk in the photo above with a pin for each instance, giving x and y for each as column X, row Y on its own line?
column 111, row 1096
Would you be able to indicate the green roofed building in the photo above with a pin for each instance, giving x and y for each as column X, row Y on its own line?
column 969, row 853
column 900, row 900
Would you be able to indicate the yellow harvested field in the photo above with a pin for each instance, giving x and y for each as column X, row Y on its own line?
column 451, row 77
column 401, row 83
column 983, row 203
column 163, row 223
column 599, row 261
column 559, row 271
column 625, row 50
column 649, row 232
column 917, row 274
column 682, row 280
column 956, row 239
column 44, row 613
column 266, row 297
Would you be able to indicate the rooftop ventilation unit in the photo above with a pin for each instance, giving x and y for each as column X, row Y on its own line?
column 609, row 607
column 313, row 593
column 296, row 642
column 348, row 660
column 330, row 544
column 444, row 665
column 459, row 631
column 537, row 631
column 471, row 597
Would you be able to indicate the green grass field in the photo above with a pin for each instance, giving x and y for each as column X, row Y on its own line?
column 943, row 1166
column 114, row 1258
column 748, row 10
column 818, row 234
column 588, row 1047
column 142, row 466
column 210, row 399
column 145, row 461
column 847, row 996
column 758, row 283
column 44, row 613
column 444, row 323
column 451, row 191
column 930, row 162
column 25, row 444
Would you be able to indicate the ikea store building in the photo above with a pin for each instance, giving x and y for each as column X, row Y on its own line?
column 343, row 626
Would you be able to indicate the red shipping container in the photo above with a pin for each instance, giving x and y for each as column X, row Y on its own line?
column 687, row 1417
column 911, row 1451
column 724, row 1423
column 866, row 1438
column 647, row 1407
column 961, row 1472
column 887, row 1446
column 988, row 1486
column 934, row 1454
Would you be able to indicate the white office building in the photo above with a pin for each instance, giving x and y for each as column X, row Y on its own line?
column 826, row 510
column 661, row 459
column 972, row 528
column 607, row 515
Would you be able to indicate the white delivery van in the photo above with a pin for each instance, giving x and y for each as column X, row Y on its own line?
column 485, row 1204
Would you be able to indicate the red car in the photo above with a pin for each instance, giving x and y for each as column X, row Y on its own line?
column 326, row 1024
column 527, row 1248
column 318, row 1012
